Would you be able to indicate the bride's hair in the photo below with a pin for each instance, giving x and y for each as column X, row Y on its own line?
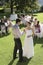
column 29, row 23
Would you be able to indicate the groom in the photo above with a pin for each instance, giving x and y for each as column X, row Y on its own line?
column 18, row 45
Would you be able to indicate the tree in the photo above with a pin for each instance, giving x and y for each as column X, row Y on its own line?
column 11, row 6
column 26, row 5
column 41, row 8
column 20, row 4
column 23, row 5
column 10, row 2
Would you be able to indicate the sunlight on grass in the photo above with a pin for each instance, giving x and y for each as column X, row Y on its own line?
column 39, row 16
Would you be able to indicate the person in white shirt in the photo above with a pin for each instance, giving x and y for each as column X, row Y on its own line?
column 18, row 45
column 23, row 17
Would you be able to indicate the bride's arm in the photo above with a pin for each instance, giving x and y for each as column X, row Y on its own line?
column 24, row 30
column 33, row 32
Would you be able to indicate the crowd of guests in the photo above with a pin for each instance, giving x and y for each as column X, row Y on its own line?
column 4, row 24
column 35, row 23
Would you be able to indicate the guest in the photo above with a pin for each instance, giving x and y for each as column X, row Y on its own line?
column 23, row 19
column 31, row 20
column 37, row 29
column 2, row 26
column 6, row 24
column 35, row 21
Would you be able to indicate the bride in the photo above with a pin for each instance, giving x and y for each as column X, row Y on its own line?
column 28, row 49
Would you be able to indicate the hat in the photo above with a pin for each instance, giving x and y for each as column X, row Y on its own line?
column 28, row 20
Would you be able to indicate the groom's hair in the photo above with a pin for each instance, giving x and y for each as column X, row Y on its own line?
column 18, row 20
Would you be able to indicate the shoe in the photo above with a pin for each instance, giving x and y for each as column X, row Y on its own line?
column 22, row 60
column 14, row 58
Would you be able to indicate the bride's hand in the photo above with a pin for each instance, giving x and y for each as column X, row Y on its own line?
column 24, row 30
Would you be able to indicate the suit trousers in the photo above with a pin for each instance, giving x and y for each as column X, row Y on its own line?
column 18, row 45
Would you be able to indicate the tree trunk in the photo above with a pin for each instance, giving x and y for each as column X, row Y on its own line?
column 11, row 6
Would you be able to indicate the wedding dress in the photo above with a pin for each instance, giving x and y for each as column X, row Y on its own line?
column 28, row 49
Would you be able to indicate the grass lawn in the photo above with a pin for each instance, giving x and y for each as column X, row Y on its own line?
column 39, row 16
column 7, row 46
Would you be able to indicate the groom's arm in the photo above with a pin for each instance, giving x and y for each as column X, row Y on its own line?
column 20, row 33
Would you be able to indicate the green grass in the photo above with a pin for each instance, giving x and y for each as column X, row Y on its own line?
column 1, row 8
column 39, row 16
column 7, row 46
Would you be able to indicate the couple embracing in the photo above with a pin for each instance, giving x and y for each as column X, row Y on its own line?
column 28, row 49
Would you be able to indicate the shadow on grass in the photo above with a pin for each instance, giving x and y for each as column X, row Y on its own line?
column 3, row 35
column 42, row 45
column 11, row 62
column 20, row 63
column 38, row 41
column 24, row 63
column 35, row 15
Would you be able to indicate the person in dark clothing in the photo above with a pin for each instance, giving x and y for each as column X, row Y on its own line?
column 6, row 24
column 0, row 25
column 18, row 45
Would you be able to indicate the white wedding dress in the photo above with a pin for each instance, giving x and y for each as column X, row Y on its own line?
column 28, row 49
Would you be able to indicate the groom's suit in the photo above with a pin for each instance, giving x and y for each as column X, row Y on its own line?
column 18, row 44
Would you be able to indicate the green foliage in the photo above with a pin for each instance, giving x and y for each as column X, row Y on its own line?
column 4, row 14
column 26, row 5
column 22, row 5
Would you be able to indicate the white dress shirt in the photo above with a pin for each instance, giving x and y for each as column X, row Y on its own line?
column 16, row 31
